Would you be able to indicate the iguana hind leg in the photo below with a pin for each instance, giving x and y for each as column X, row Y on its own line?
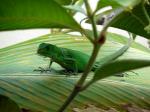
column 72, row 63
column 125, row 74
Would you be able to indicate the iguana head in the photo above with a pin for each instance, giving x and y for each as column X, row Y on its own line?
column 46, row 49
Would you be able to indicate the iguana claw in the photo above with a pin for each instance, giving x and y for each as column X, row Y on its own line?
column 42, row 70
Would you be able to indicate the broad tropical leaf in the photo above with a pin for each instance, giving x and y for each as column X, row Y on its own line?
column 117, row 3
column 25, row 14
column 76, row 8
column 132, row 19
column 120, row 66
column 64, row 2
column 46, row 92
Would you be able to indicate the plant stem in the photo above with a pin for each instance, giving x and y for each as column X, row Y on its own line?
column 87, row 36
column 94, row 26
column 91, row 18
column 69, row 99
column 145, row 12
column 87, row 85
column 78, row 86
column 97, row 43
column 81, row 81
column 88, row 8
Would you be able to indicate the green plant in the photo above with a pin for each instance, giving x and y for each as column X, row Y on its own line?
column 19, row 20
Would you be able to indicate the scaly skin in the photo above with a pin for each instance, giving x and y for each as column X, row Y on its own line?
column 71, row 60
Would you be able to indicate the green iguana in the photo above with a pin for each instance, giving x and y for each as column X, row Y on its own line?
column 71, row 60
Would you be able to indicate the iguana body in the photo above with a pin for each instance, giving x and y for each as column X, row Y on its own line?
column 71, row 60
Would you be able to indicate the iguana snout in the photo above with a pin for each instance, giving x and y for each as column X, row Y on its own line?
column 43, row 49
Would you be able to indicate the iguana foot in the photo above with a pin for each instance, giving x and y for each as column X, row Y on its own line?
column 69, row 73
column 42, row 70
column 125, row 74
column 121, row 74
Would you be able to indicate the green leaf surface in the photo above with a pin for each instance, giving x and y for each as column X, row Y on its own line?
column 63, row 2
column 117, row 3
column 47, row 91
column 8, row 105
column 76, row 8
column 134, row 22
column 132, row 19
column 27, row 14
column 120, row 66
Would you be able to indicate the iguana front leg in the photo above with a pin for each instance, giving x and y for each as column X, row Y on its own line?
column 50, row 64
column 42, row 70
